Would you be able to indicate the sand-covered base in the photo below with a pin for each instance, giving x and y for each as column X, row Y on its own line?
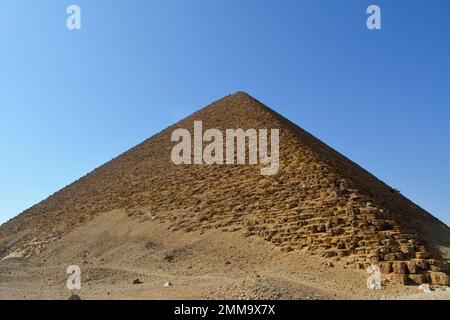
column 115, row 250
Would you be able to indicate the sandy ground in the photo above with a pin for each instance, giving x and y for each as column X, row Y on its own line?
column 117, row 249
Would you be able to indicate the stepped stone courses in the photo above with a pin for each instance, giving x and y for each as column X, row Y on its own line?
column 319, row 202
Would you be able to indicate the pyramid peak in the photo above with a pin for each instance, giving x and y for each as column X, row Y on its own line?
column 239, row 95
column 239, row 99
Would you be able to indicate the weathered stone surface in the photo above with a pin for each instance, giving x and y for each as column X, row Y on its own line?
column 439, row 278
column 397, row 278
column 421, row 263
column 407, row 249
column 400, row 267
column 386, row 267
column 390, row 257
column 422, row 255
column 384, row 250
column 329, row 254
column 417, row 279
column 437, row 266
column 411, row 266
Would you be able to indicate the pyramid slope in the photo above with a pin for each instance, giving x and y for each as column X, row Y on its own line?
column 319, row 202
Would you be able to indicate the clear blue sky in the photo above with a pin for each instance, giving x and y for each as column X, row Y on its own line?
column 72, row 100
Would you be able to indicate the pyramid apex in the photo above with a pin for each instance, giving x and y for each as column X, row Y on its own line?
column 240, row 94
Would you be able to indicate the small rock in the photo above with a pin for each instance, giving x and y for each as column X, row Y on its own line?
column 425, row 287
column 290, row 205
column 137, row 281
column 167, row 284
column 168, row 257
column 74, row 297
column 15, row 255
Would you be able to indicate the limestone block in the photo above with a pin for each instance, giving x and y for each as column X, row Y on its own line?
column 437, row 266
column 385, row 267
column 421, row 255
column 384, row 250
column 342, row 253
column 341, row 245
column 390, row 257
column 439, row 278
column 406, row 249
column 329, row 254
column 400, row 267
column 412, row 267
column 417, row 279
column 421, row 263
column 399, row 256
column 397, row 278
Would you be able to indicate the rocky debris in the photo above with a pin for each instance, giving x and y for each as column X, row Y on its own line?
column 260, row 288
column 248, row 289
column 17, row 254
column 98, row 274
column 177, row 254
column 33, row 247
column 425, row 287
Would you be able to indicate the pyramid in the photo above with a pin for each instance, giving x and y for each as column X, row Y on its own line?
column 318, row 202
